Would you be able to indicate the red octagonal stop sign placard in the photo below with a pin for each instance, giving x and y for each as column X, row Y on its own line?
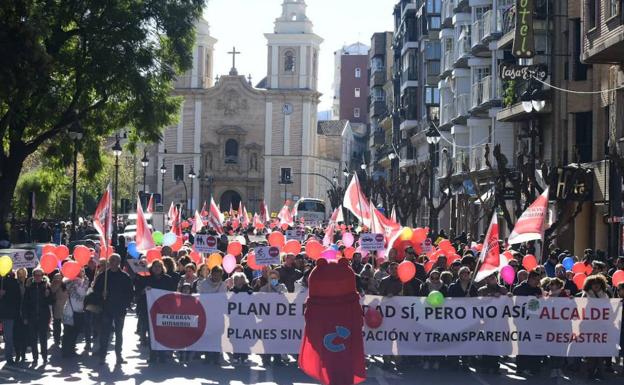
column 178, row 321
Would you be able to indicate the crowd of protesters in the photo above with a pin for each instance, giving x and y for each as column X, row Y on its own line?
column 94, row 305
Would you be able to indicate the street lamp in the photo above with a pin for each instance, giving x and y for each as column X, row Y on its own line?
column 75, row 134
column 163, row 171
column 533, row 99
column 192, row 176
column 117, row 153
column 144, row 163
column 433, row 138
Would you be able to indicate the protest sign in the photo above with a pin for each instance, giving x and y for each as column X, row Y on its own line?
column 205, row 243
column 372, row 242
column 266, row 323
column 297, row 234
column 21, row 258
column 267, row 256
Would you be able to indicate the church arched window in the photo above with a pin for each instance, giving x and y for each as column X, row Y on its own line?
column 289, row 61
column 231, row 151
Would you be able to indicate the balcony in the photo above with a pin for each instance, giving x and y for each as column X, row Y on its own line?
column 492, row 25
column 378, row 107
column 406, row 6
column 448, row 59
column 508, row 25
column 477, row 43
column 462, row 52
column 477, row 158
column 447, row 14
column 462, row 108
column 378, row 77
column 483, row 94
column 448, row 114
column 461, row 163
column 460, row 5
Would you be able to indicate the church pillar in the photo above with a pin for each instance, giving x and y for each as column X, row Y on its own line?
column 286, row 135
column 195, row 195
column 195, row 64
column 180, row 130
column 305, row 149
column 275, row 63
column 268, row 138
column 303, row 73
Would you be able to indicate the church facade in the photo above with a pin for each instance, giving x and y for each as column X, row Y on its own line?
column 241, row 141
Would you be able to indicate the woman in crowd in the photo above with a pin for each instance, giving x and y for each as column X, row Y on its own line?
column 20, row 329
column 76, row 290
column 595, row 287
column 491, row 364
column 37, row 300
column 60, row 298
column 214, row 284
column 189, row 276
column 273, row 286
column 240, row 285
column 158, row 279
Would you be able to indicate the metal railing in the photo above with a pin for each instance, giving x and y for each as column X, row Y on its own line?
column 462, row 48
column 489, row 92
column 492, row 22
column 477, row 32
column 508, row 20
column 459, row 163
column 477, row 94
column 462, row 105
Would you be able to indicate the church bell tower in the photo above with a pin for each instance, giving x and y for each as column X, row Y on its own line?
column 293, row 50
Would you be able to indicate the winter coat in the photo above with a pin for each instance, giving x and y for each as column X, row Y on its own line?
column 36, row 303
column 11, row 301
column 207, row 286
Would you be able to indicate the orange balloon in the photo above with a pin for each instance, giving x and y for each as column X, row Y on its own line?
column 153, row 255
column 48, row 262
column 259, row 226
column 406, row 271
column 579, row 280
column 71, row 269
column 313, row 249
column 82, row 254
column 419, row 235
column 61, row 252
column 235, row 248
column 529, row 262
column 578, row 268
column 251, row 262
column 215, row 259
column 292, row 247
column 618, row 277
column 277, row 239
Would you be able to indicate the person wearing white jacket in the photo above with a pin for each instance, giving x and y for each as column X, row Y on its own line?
column 73, row 313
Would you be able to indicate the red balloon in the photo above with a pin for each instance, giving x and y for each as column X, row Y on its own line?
column 82, row 254
column 429, row 266
column 196, row 257
column 277, row 239
column 579, row 280
column 508, row 255
column 259, row 226
column 235, row 248
column 61, row 252
column 48, row 262
column 589, row 269
column 578, row 268
column 71, row 269
column 373, row 318
column 406, row 271
column 313, row 249
column 292, row 247
column 348, row 252
column 251, row 262
column 444, row 244
column 479, row 247
column 106, row 251
column 48, row 248
column 419, row 235
column 178, row 243
column 284, row 226
column 235, row 224
column 529, row 262
column 152, row 255
column 451, row 259
column 185, row 224
column 618, row 277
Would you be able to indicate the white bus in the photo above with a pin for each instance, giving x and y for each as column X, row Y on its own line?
column 311, row 210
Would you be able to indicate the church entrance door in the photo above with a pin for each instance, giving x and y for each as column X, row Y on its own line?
column 228, row 197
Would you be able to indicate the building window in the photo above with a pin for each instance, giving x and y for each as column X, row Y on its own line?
column 289, row 61
column 285, row 175
column 357, row 92
column 432, row 95
column 358, row 72
column 592, row 13
column 356, row 112
column 583, row 142
column 377, row 64
column 178, row 172
column 613, row 8
column 434, row 6
column 379, row 94
column 579, row 69
column 231, row 151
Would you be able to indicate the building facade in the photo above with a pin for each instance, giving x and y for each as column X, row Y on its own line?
column 248, row 143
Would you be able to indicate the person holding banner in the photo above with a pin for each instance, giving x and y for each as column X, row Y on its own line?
column 273, row 286
column 158, row 279
column 529, row 365
column 214, row 284
column 10, row 301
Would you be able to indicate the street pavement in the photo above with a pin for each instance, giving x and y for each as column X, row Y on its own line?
column 86, row 370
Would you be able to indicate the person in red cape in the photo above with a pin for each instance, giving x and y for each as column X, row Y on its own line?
column 332, row 349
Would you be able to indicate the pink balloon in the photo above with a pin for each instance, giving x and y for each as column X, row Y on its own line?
column 347, row 239
column 329, row 254
column 509, row 274
column 229, row 263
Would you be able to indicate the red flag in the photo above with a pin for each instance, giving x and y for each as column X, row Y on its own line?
column 264, row 214
column 103, row 217
column 285, row 215
column 143, row 237
column 171, row 214
column 356, row 202
column 215, row 217
column 256, row 220
column 176, row 227
column 198, row 223
column 531, row 224
column 489, row 260
column 393, row 215
column 337, row 215
column 150, row 204
column 203, row 211
column 390, row 229
column 245, row 219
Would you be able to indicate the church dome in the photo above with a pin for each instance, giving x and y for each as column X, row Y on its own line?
column 203, row 27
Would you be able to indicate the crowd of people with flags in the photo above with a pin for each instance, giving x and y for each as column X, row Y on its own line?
column 89, row 289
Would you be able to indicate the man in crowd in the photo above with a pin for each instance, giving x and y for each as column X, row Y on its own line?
column 288, row 274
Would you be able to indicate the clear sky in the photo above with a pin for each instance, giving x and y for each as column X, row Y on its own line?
column 243, row 23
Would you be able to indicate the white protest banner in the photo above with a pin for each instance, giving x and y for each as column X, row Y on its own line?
column 273, row 324
column 371, row 242
column 21, row 258
column 297, row 234
column 205, row 243
column 266, row 255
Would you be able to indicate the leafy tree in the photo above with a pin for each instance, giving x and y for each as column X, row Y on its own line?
column 106, row 63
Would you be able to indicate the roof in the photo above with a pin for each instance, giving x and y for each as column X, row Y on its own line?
column 331, row 127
